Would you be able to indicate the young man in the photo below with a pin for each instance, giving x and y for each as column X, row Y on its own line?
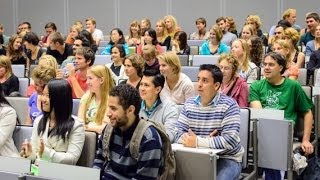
column 278, row 92
column 227, row 37
column 154, row 107
column 84, row 58
column 96, row 33
column 57, row 48
column 123, row 110
column 212, row 112
column 150, row 56
column 312, row 21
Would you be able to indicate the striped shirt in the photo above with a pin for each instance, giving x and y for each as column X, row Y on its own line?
column 222, row 114
column 121, row 164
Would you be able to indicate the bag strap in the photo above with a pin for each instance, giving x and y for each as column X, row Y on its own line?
column 106, row 142
column 138, row 133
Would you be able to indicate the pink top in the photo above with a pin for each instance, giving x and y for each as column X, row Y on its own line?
column 238, row 90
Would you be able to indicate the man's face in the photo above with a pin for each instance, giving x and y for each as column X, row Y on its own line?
column 271, row 68
column 311, row 23
column 77, row 44
column 207, row 88
column 89, row 25
column 147, row 89
column 81, row 62
column 278, row 32
column 222, row 25
column 200, row 26
column 117, row 115
column 25, row 27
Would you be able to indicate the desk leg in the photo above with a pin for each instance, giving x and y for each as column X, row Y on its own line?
column 214, row 158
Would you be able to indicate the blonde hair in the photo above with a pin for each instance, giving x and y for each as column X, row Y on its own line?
column 251, row 28
column 134, row 24
column 256, row 19
column 92, row 20
column 163, row 24
column 292, row 34
column 174, row 24
column 6, row 63
column 231, row 60
column 76, row 27
column 244, row 64
column 149, row 51
column 232, row 24
column 172, row 60
column 49, row 60
column 79, row 24
column 287, row 13
column 103, row 73
column 43, row 73
column 283, row 44
column 218, row 32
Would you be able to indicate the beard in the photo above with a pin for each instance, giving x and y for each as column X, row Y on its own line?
column 120, row 122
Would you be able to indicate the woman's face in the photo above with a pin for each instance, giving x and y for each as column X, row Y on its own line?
column 213, row 37
column 317, row 34
column 129, row 69
column 168, row 23
column 115, row 54
column 45, row 100
column 17, row 43
column 93, row 82
column 226, row 69
column 236, row 49
column 115, row 36
column 227, row 24
column 159, row 27
column 279, row 49
column 246, row 34
column 165, row 69
column 134, row 29
column 3, row 71
column 147, row 38
column 73, row 33
column 200, row 26
column 27, row 45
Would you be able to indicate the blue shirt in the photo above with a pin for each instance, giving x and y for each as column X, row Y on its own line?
column 107, row 50
column 205, row 49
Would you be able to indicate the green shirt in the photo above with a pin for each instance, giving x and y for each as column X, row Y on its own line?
column 289, row 96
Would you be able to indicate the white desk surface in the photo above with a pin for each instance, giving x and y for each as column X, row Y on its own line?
column 200, row 150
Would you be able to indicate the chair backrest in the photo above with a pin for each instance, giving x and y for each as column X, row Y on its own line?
column 99, row 51
column 23, row 86
column 89, row 148
column 184, row 60
column 302, row 78
column 15, row 165
column 194, row 50
column 76, row 103
column 132, row 50
column 244, row 134
column 102, row 59
column 191, row 72
column 20, row 134
column 198, row 60
column 20, row 104
column 195, row 42
column 18, row 70
column 103, row 43
column 63, row 171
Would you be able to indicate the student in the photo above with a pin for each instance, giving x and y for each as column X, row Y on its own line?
column 15, row 52
column 58, row 48
column 123, row 110
column 34, row 51
column 278, row 92
column 96, row 33
column 57, row 136
column 93, row 104
column 116, row 67
column 202, row 33
column 212, row 120
column 227, row 37
column 8, row 81
column 133, row 67
column 179, row 43
column 8, row 121
column 214, row 46
column 116, row 37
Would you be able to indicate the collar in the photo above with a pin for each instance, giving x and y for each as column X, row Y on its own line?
column 213, row 102
column 153, row 107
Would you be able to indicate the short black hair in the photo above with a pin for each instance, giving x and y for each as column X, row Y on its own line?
column 121, row 49
column 283, row 23
column 128, row 95
column 153, row 34
column 27, row 23
column 87, row 53
column 31, row 38
column 281, row 60
column 158, row 79
column 51, row 25
column 215, row 72
column 84, row 40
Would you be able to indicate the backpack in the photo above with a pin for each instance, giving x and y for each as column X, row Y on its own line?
column 167, row 172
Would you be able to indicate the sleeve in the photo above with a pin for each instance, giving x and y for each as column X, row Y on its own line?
column 107, row 50
column 14, row 84
column 7, row 124
column 303, row 102
column 254, row 94
column 99, row 34
column 35, row 138
column 243, row 95
column 167, row 42
column 76, row 141
column 229, row 136
column 309, row 49
column 170, row 117
column 84, row 98
column 271, row 31
column 188, row 89
column 182, row 124
column 186, row 50
column 139, row 49
column 150, row 153
column 99, row 160
column 204, row 49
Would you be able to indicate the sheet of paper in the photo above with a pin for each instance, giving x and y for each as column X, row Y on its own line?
column 180, row 147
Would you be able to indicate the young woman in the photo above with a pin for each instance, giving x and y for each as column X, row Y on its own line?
column 144, row 25
column 178, row 87
column 133, row 66
column 134, row 38
column 255, row 49
column 93, row 104
column 8, row 81
column 247, row 70
column 15, row 51
column 57, row 136
column 150, row 37
column 34, row 51
column 41, row 75
column 74, row 31
column 232, row 85
column 256, row 22
column 162, row 34
column 179, row 43
column 8, row 121
column 171, row 25
column 247, row 32
column 283, row 47
column 213, row 46
column 116, row 37
column 117, row 69
column 314, row 44
column 292, row 37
